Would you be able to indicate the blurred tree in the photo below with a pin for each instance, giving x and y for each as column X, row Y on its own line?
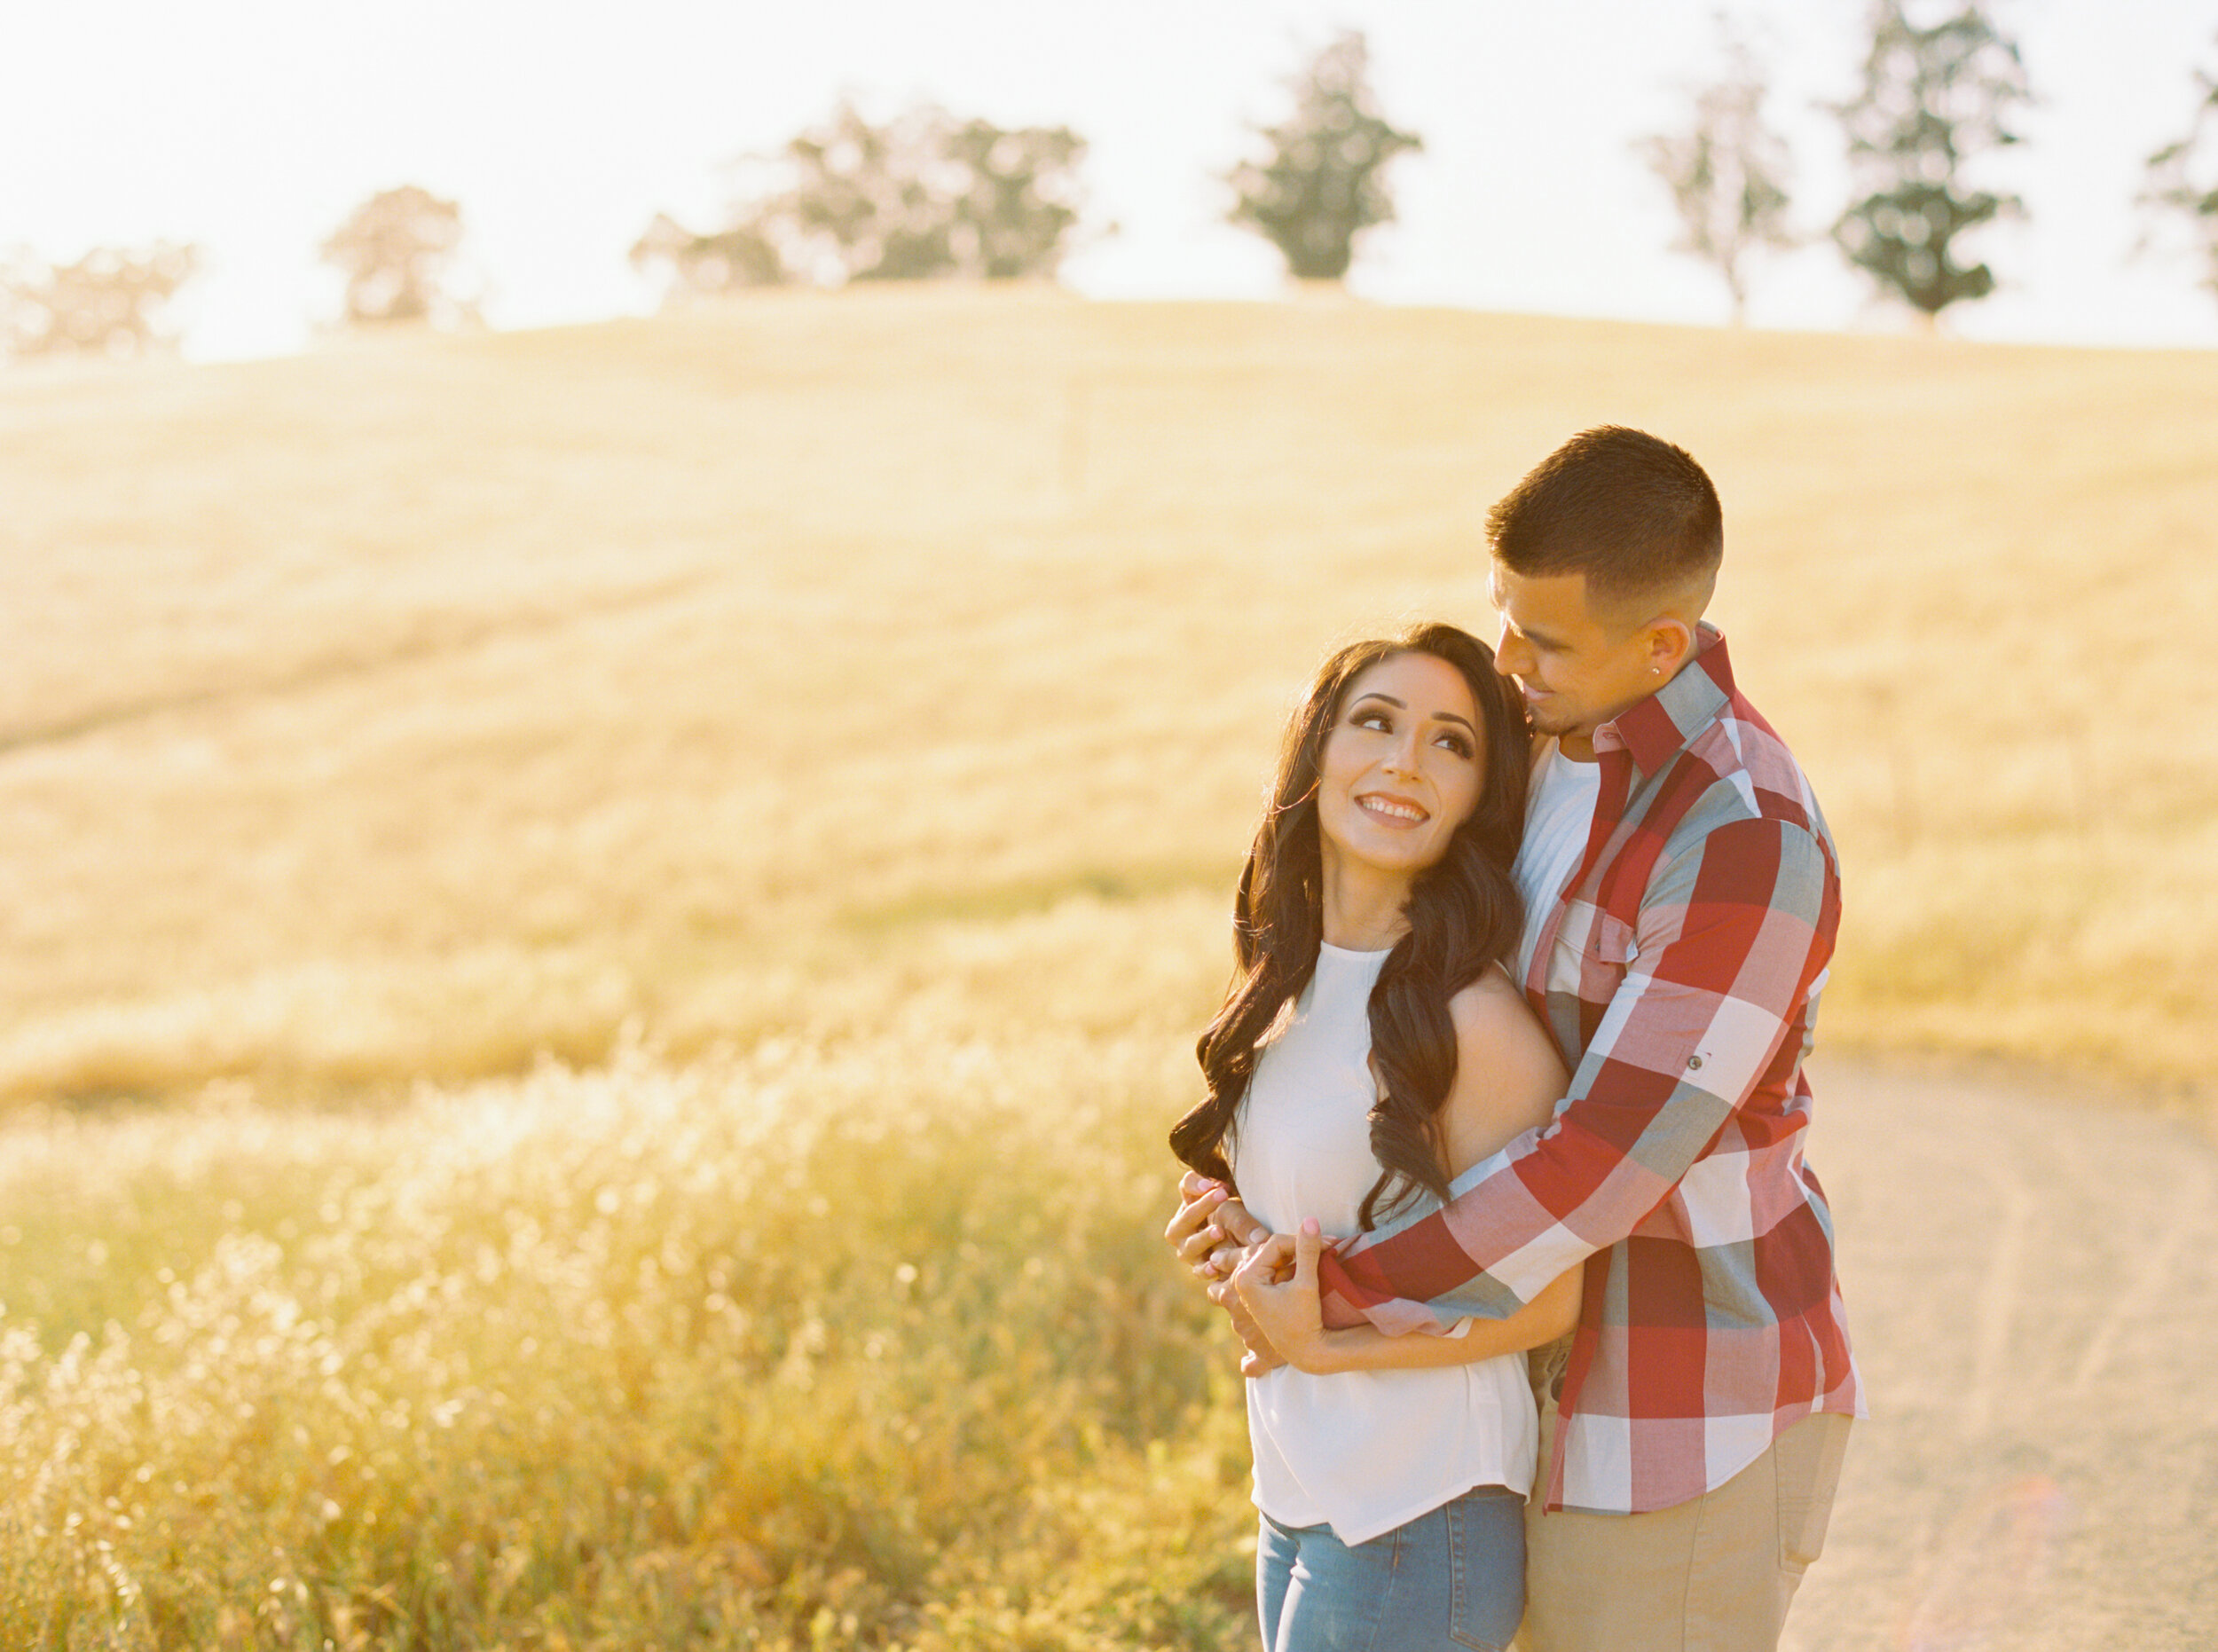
column 1323, row 180
column 866, row 202
column 108, row 303
column 1934, row 100
column 1019, row 198
column 742, row 256
column 396, row 251
column 1727, row 173
column 2183, row 177
column 920, row 197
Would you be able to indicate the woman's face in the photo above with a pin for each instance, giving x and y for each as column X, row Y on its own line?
column 1402, row 763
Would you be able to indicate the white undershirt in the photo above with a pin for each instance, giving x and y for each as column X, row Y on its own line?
column 1558, row 813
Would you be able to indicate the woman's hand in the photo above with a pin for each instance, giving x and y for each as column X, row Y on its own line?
column 1277, row 1283
column 1211, row 1227
column 1207, row 1234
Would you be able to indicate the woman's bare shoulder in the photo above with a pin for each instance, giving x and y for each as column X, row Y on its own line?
column 1508, row 1075
column 1492, row 1005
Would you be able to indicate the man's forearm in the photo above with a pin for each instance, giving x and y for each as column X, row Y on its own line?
column 1672, row 1058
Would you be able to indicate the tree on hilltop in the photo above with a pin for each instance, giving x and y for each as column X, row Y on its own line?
column 1727, row 174
column 1019, row 198
column 397, row 250
column 736, row 257
column 923, row 196
column 2183, row 176
column 108, row 303
column 1936, row 101
column 1323, row 182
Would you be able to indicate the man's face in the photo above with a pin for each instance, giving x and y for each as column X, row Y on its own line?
column 1577, row 669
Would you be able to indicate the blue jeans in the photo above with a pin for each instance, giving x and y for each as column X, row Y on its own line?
column 1452, row 1579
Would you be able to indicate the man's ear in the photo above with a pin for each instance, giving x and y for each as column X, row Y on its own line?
column 1669, row 641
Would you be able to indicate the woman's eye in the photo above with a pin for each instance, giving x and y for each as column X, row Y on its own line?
column 1456, row 744
column 1374, row 719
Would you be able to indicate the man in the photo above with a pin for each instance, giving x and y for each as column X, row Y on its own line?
column 1682, row 897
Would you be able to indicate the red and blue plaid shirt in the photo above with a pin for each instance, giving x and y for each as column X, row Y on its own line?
column 1679, row 974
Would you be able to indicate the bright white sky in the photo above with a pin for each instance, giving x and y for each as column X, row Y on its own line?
column 253, row 126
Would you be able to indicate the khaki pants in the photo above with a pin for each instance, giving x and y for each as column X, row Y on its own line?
column 1715, row 1575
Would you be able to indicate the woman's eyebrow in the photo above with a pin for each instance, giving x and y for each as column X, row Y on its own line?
column 1442, row 717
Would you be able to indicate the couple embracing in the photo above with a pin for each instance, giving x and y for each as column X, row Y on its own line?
column 1500, row 1171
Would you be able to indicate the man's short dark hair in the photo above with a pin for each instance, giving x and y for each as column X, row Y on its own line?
column 1635, row 514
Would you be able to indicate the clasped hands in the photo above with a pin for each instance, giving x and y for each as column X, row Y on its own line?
column 1266, row 1282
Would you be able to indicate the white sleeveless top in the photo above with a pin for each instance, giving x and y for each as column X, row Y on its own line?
column 1363, row 1450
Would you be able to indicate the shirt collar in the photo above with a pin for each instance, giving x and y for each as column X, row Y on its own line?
column 1651, row 729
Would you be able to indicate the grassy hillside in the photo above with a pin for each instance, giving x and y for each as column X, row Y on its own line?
column 752, row 798
column 408, row 710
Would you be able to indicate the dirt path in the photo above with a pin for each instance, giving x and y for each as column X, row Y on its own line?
column 2032, row 1287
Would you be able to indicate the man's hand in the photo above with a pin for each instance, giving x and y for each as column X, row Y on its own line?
column 1258, row 1358
column 1211, row 1228
column 1277, row 1283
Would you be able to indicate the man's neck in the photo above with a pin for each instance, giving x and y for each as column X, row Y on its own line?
column 1578, row 745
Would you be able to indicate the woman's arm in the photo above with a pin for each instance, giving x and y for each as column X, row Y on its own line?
column 1508, row 1078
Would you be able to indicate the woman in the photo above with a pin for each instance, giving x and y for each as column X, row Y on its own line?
column 1370, row 1050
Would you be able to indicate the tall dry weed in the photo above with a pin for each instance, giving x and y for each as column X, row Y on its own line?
column 861, row 1342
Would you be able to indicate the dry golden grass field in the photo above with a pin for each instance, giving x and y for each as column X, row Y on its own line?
column 598, row 928
column 406, row 711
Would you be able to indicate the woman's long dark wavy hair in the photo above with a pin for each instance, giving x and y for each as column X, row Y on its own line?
column 1463, row 911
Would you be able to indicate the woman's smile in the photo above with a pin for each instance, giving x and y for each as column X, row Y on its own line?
column 1391, row 811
